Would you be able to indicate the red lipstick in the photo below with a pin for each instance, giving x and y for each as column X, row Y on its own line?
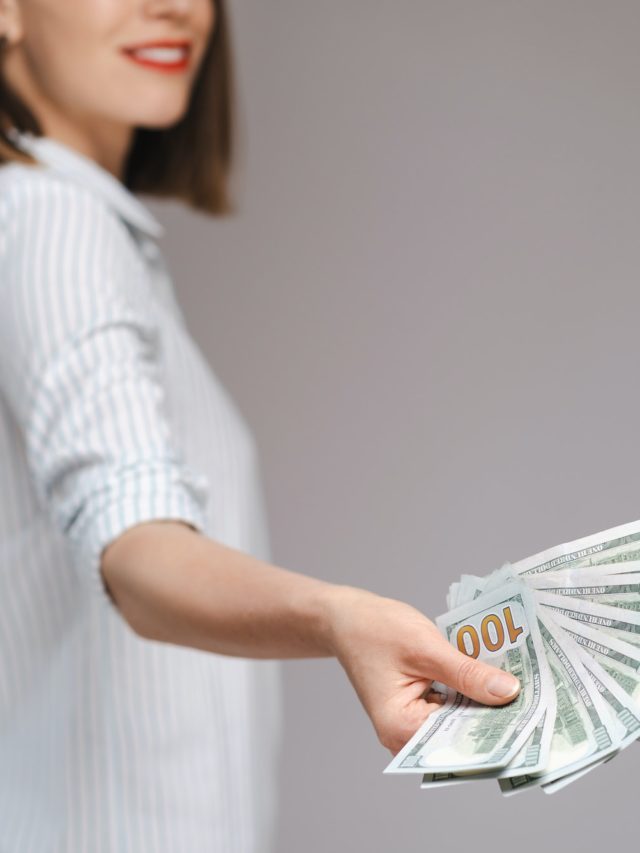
column 167, row 55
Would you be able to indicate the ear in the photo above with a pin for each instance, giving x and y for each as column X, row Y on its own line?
column 10, row 21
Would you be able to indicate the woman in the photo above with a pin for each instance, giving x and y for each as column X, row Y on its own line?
column 140, row 619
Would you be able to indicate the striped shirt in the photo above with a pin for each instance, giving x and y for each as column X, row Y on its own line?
column 110, row 415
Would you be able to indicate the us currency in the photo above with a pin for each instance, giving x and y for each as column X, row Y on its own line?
column 468, row 588
column 592, row 584
column 471, row 586
column 613, row 621
column 532, row 758
column 563, row 781
column 614, row 551
column 586, row 730
column 452, row 595
column 619, row 659
column 617, row 545
column 463, row 735
column 626, row 711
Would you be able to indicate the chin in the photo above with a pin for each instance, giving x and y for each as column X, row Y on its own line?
column 161, row 116
column 160, row 123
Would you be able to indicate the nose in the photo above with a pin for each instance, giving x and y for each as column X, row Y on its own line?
column 179, row 8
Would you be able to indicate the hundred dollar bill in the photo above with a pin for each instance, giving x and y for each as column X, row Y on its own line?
column 620, row 568
column 532, row 758
column 563, row 781
column 615, row 551
column 626, row 711
column 586, row 730
column 593, row 584
column 470, row 587
column 605, row 583
column 444, row 780
column 464, row 735
column 619, row 545
column 452, row 595
column 619, row 659
column 614, row 621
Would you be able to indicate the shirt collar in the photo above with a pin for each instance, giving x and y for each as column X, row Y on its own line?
column 71, row 163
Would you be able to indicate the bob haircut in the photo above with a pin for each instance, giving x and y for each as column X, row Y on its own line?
column 192, row 159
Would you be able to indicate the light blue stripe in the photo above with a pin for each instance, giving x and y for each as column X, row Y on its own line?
column 109, row 416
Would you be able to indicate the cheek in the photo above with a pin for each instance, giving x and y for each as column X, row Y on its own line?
column 67, row 41
column 78, row 76
column 205, row 18
column 210, row 10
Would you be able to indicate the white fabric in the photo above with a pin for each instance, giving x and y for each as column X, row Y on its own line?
column 110, row 415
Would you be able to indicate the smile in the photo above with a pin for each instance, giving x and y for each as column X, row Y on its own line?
column 161, row 56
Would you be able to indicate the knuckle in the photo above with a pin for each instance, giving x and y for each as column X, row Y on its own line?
column 467, row 675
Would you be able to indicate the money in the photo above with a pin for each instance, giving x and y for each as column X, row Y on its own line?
column 613, row 621
column 627, row 713
column 585, row 729
column 617, row 545
column 619, row 659
column 595, row 585
column 532, row 757
column 463, row 735
column 566, row 622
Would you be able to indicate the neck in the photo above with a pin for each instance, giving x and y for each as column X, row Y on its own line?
column 106, row 145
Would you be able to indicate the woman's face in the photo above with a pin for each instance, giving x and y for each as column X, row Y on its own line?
column 69, row 56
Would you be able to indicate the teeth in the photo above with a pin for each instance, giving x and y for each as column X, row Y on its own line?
column 161, row 54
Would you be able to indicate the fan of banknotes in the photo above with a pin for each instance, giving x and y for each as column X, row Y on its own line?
column 566, row 622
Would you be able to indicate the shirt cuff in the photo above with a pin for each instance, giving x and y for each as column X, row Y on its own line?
column 145, row 494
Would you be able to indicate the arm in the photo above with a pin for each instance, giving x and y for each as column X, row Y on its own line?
column 172, row 584
column 81, row 372
column 175, row 585
column 79, row 369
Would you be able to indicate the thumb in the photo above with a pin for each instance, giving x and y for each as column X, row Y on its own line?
column 473, row 678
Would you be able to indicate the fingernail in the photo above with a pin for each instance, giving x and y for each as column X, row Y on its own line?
column 502, row 684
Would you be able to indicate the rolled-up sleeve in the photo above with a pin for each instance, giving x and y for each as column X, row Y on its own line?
column 80, row 370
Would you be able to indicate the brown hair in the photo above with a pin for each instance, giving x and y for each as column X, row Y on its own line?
column 192, row 159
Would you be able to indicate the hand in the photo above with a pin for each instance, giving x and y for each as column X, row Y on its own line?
column 392, row 654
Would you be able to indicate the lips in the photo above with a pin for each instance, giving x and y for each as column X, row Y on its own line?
column 165, row 55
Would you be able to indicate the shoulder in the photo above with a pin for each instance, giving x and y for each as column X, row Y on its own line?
column 66, row 257
column 22, row 184
column 40, row 207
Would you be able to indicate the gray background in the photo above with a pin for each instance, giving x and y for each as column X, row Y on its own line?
column 427, row 309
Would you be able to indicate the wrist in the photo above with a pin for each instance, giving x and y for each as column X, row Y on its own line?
column 340, row 605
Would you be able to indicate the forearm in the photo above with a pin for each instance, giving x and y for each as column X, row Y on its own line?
column 175, row 585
